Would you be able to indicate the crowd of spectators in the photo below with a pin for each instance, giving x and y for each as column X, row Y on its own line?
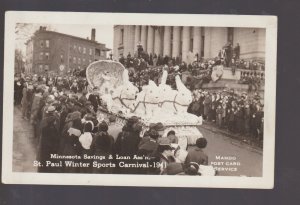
column 64, row 115
column 144, row 66
column 64, row 119
column 237, row 113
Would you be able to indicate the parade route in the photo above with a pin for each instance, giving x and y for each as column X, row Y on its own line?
column 218, row 145
column 24, row 144
column 247, row 160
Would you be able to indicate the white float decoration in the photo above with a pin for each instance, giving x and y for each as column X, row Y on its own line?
column 152, row 105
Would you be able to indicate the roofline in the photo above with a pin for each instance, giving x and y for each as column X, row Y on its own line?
column 90, row 41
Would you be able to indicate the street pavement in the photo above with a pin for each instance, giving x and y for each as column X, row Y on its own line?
column 24, row 144
column 241, row 158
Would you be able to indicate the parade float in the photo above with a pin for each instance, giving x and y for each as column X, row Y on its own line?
column 153, row 104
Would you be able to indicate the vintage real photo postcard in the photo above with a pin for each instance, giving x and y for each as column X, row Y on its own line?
column 163, row 100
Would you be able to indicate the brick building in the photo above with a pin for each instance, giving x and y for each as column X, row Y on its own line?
column 53, row 52
column 176, row 41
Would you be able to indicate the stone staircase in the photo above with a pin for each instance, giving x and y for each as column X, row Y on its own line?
column 230, row 81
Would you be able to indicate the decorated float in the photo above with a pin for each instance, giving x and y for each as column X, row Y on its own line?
column 152, row 104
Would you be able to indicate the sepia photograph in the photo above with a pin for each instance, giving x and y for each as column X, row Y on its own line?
column 143, row 100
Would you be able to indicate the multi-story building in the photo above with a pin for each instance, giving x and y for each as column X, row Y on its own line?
column 53, row 52
column 180, row 41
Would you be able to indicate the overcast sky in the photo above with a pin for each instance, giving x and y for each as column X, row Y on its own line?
column 104, row 34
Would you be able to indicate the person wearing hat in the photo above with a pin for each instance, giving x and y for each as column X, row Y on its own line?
column 172, row 137
column 159, row 127
column 174, row 168
column 127, row 144
column 70, row 117
column 49, row 140
column 164, row 155
column 18, row 88
column 207, row 106
column 35, row 109
column 83, row 98
column 247, row 118
column 197, row 155
column 146, row 136
column 63, row 110
column 239, row 118
column 94, row 99
column 87, row 109
column 70, row 145
column 24, row 101
column 102, row 145
column 132, row 120
column 74, row 87
column 148, row 147
column 48, row 102
column 86, row 139
column 30, row 94
column 192, row 168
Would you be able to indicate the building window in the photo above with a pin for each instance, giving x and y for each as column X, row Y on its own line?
column 97, row 52
column 230, row 35
column 70, row 60
column 202, row 45
column 47, row 43
column 74, row 47
column 83, row 61
column 47, row 56
column 90, row 61
column 42, row 43
column 41, row 56
column 74, row 59
column 79, row 49
column 84, row 50
column 79, row 61
column 61, row 58
column 91, row 51
column 46, row 67
column 41, row 68
column 122, row 37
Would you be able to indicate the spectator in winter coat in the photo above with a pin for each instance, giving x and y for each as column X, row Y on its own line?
column 49, row 140
column 72, row 146
column 219, row 118
column 172, row 137
column 197, row 155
